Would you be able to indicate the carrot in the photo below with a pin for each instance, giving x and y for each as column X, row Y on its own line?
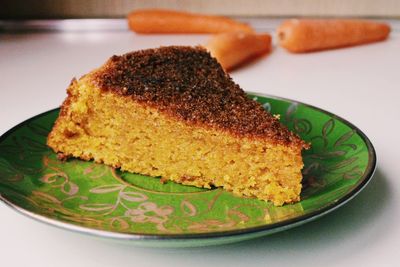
column 306, row 35
column 236, row 48
column 168, row 21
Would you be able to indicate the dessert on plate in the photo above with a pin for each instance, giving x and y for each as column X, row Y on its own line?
column 174, row 113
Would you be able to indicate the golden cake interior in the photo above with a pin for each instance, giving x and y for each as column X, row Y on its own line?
column 140, row 137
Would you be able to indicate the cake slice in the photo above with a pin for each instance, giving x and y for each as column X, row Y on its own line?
column 174, row 113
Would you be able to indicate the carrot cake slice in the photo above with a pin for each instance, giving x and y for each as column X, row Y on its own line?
column 174, row 113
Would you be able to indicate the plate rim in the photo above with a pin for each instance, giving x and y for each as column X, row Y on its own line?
column 261, row 229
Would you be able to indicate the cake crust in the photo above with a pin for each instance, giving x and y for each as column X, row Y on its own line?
column 190, row 85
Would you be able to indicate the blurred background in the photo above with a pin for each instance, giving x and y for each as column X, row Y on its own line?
column 48, row 9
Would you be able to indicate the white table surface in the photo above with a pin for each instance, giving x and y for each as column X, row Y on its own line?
column 361, row 84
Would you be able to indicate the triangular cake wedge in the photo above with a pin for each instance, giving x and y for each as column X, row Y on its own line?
column 174, row 113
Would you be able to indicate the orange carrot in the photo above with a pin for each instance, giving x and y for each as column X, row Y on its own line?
column 168, row 21
column 236, row 48
column 306, row 35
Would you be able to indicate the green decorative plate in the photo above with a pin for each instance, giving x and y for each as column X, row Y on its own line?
column 102, row 201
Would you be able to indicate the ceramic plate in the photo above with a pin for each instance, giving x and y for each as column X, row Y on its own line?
column 102, row 201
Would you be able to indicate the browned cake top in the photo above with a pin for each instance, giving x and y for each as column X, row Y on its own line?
column 189, row 84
